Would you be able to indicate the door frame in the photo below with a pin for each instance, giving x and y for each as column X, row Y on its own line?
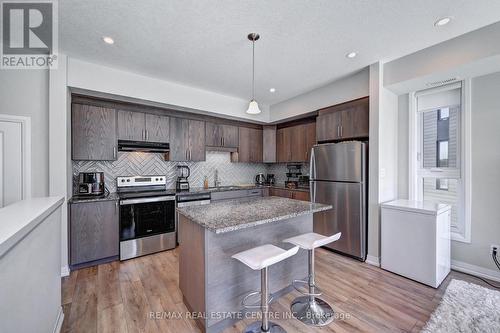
column 26, row 150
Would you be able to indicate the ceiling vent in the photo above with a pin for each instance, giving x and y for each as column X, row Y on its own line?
column 441, row 83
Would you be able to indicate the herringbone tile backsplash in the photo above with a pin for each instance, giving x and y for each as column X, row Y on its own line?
column 136, row 163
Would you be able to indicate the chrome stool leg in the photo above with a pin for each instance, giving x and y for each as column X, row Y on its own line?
column 264, row 326
column 310, row 309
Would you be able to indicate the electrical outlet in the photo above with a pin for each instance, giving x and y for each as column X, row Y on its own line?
column 494, row 247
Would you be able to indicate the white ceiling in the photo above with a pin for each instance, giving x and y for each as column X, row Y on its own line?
column 303, row 43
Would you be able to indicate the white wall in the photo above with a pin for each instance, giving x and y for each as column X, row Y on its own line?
column 25, row 93
column 383, row 156
column 91, row 77
column 403, row 146
column 472, row 54
column 343, row 90
column 485, row 216
column 59, row 148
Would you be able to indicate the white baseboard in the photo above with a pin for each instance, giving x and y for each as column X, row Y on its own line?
column 372, row 260
column 59, row 322
column 485, row 273
column 64, row 271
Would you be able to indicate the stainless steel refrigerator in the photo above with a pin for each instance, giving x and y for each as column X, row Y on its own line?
column 338, row 175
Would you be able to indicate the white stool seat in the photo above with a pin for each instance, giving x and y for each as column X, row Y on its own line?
column 312, row 240
column 264, row 256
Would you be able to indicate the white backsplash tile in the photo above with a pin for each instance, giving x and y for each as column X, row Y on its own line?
column 136, row 163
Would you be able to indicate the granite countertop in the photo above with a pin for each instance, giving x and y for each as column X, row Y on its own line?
column 193, row 190
column 232, row 215
column 109, row 197
column 242, row 187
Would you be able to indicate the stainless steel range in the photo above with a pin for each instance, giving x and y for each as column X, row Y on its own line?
column 147, row 216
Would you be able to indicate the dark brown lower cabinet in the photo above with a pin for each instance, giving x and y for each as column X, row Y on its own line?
column 94, row 231
column 289, row 193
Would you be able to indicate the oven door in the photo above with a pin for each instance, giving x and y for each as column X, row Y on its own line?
column 143, row 217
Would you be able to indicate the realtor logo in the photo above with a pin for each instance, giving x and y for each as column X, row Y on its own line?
column 29, row 34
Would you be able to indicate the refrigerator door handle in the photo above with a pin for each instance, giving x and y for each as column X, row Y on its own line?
column 312, row 189
column 312, row 165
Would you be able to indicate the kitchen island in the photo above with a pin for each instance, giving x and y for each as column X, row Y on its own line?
column 212, row 283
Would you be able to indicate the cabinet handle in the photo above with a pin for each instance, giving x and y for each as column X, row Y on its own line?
column 338, row 131
column 341, row 130
column 190, row 154
column 114, row 152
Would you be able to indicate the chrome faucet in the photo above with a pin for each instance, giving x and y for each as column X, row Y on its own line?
column 216, row 178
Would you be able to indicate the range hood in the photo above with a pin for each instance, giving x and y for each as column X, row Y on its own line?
column 148, row 147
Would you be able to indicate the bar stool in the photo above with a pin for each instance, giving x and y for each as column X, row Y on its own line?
column 260, row 258
column 310, row 309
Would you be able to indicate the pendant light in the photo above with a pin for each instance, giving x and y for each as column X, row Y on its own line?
column 253, row 107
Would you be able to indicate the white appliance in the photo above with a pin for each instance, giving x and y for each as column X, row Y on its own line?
column 415, row 240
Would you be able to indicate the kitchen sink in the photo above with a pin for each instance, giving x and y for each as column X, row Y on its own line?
column 225, row 188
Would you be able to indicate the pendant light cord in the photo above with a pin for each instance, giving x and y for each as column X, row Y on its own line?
column 253, row 70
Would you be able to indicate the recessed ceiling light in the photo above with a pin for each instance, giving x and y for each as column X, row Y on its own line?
column 108, row 40
column 442, row 21
column 272, row 90
column 351, row 55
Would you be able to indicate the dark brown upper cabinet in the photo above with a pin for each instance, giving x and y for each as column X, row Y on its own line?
column 303, row 138
column 131, row 126
column 157, row 128
column 344, row 121
column 269, row 148
column 138, row 126
column 93, row 131
column 187, row 140
column 250, row 149
column 294, row 143
column 220, row 135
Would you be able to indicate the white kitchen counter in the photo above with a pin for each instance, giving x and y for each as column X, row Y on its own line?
column 20, row 218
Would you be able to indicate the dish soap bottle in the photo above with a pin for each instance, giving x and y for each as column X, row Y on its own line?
column 205, row 183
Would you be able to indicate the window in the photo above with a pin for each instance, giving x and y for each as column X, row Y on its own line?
column 444, row 113
column 438, row 139
column 441, row 184
column 442, row 154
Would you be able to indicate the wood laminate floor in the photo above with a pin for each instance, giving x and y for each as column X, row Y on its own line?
column 120, row 296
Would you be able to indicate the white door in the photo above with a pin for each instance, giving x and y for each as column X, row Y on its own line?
column 11, row 163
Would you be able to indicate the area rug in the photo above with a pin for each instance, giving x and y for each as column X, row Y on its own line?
column 466, row 307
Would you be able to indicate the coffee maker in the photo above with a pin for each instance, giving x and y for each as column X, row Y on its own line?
column 183, row 173
column 91, row 184
column 270, row 179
